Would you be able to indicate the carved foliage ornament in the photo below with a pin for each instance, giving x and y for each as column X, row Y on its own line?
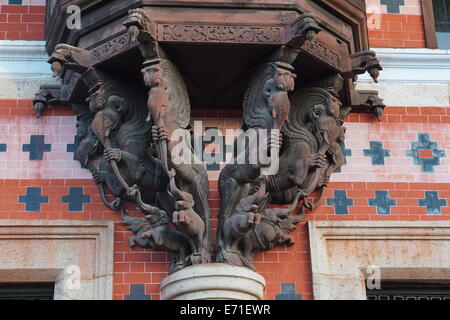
column 125, row 141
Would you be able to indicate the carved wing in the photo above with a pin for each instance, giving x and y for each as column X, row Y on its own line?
column 179, row 105
column 257, row 112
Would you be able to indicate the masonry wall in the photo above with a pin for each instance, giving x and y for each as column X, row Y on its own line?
column 396, row 170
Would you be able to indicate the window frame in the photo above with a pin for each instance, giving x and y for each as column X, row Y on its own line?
column 429, row 24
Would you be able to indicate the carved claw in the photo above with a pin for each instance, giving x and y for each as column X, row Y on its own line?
column 159, row 134
column 318, row 160
column 113, row 155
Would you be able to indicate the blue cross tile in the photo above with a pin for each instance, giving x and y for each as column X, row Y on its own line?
column 288, row 292
column 3, row 147
column 37, row 147
column 424, row 143
column 377, row 153
column 137, row 292
column 382, row 202
column 73, row 147
column 432, row 202
column 76, row 199
column 393, row 6
column 347, row 153
column 340, row 202
column 33, row 199
column 214, row 138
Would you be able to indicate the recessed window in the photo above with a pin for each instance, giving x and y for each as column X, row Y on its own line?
column 441, row 10
column 27, row 291
column 400, row 290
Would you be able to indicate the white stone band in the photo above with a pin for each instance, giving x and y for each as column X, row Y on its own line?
column 23, row 68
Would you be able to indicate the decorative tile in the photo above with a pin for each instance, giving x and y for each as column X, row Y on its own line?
column 33, row 199
column 74, row 146
column 340, row 202
column 347, row 153
column 425, row 153
column 382, row 202
column 37, row 147
column 377, row 153
column 288, row 292
column 3, row 147
column 393, row 6
column 432, row 202
column 76, row 199
column 137, row 292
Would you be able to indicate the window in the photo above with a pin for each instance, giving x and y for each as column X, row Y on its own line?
column 436, row 14
column 391, row 290
column 441, row 10
column 27, row 291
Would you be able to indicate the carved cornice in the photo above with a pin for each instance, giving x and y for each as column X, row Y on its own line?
column 220, row 34
column 323, row 52
column 115, row 46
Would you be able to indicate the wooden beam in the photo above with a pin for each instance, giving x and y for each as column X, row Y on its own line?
column 429, row 23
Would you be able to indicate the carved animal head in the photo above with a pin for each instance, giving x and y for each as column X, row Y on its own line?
column 56, row 69
column 251, row 203
column 158, row 216
column 97, row 100
column 153, row 75
column 285, row 79
column 104, row 123
column 272, row 79
column 317, row 111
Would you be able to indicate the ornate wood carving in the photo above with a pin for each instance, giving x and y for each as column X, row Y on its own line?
column 368, row 101
column 323, row 52
column 135, row 137
column 221, row 34
column 111, row 48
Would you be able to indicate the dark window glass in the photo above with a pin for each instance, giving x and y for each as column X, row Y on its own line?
column 392, row 290
column 442, row 18
column 27, row 291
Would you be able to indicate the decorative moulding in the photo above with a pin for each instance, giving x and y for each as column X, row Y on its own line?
column 62, row 252
column 412, row 66
column 23, row 68
column 345, row 254
column 23, row 59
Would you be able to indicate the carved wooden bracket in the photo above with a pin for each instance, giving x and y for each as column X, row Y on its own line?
column 140, row 26
column 368, row 101
column 129, row 129
column 48, row 95
column 362, row 62
column 70, row 57
column 304, row 28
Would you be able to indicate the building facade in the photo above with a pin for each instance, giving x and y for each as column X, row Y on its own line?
column 385, row 214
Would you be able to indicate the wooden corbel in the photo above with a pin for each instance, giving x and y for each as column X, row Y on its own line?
column 362, row 62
